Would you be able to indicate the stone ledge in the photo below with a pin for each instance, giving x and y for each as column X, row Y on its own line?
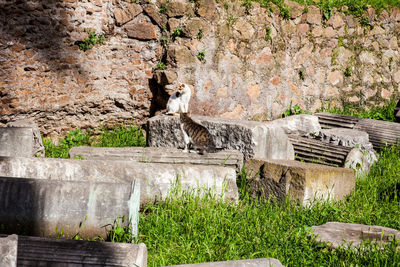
column 156, row 179
column 229, row 158
column 253, row 139
column 302, row 181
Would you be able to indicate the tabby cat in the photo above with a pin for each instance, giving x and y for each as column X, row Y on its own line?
column 195, row 135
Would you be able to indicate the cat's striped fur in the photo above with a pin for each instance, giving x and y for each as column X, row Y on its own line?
column 196, row 135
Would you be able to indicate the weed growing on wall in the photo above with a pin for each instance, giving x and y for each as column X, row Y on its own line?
column 160, row 66
column 199, row 34
column 202, row 56
column 177, row 32
column 268, row 34
column 91, row 41
column 294, row 110
column 122, row 136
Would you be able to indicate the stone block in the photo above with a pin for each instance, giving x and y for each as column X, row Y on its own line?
column 16, row 142
column 164, row 77
column 44, row 207
column 229, row 158
column 253, row 139
column 270, row 262
column 156, row 179
column 301, row 125
column 141, row 31
column 154, row 13
column 8, row 251
column 302, row 181
column 345, row 137
column 39, row 251
column 123, row 15
column 177, row 8
column 38, row 148
column 352, row 234
column 178, row 55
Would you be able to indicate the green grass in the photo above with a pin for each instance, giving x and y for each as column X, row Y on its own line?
column 188, row 229
column 121, row 136
column 385, row 112
column 355, row 7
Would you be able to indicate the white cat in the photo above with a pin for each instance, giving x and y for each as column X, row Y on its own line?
column 179, row 101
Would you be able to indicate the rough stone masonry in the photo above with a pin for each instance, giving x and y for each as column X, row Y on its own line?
column 240, row 64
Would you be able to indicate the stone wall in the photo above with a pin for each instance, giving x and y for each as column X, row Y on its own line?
column 255, row 62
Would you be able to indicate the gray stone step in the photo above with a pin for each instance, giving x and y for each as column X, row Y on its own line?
column 352, row 234
column 156, row 179
column 301, row 181
column 43, row 207
column 253, row 139
column 159, row 155
column 267, row 262
column 16, row 142
column 51, row 252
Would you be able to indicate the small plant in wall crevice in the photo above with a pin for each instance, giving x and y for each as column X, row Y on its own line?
column 160, row 66
column 91, row 41
column 202, row 56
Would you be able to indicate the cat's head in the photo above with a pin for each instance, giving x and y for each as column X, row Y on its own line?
column 184, row 88
column 184, row 114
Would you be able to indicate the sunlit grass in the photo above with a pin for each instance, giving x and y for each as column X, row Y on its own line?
column 190, row 229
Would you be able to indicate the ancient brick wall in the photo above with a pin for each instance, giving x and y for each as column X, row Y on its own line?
column 240, row 63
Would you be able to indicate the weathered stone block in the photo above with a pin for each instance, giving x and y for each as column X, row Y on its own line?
column 207, row 9
column 156, row 179
column 177, row 8
column 179, row 55
column 8, row 251
column 345, row 137
column 270, row 262
column 295, row 8
column 253, row 139
column 44, row 207
column 154, row 13
column 227, row 158
column 194, row 26
column 352, row 234
column 39, row 251
column 131, row 10
column 164, row 77
column 38, row 148
column 16, row 142
column 301, row 125
column 141, row 31
column 302, row 181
